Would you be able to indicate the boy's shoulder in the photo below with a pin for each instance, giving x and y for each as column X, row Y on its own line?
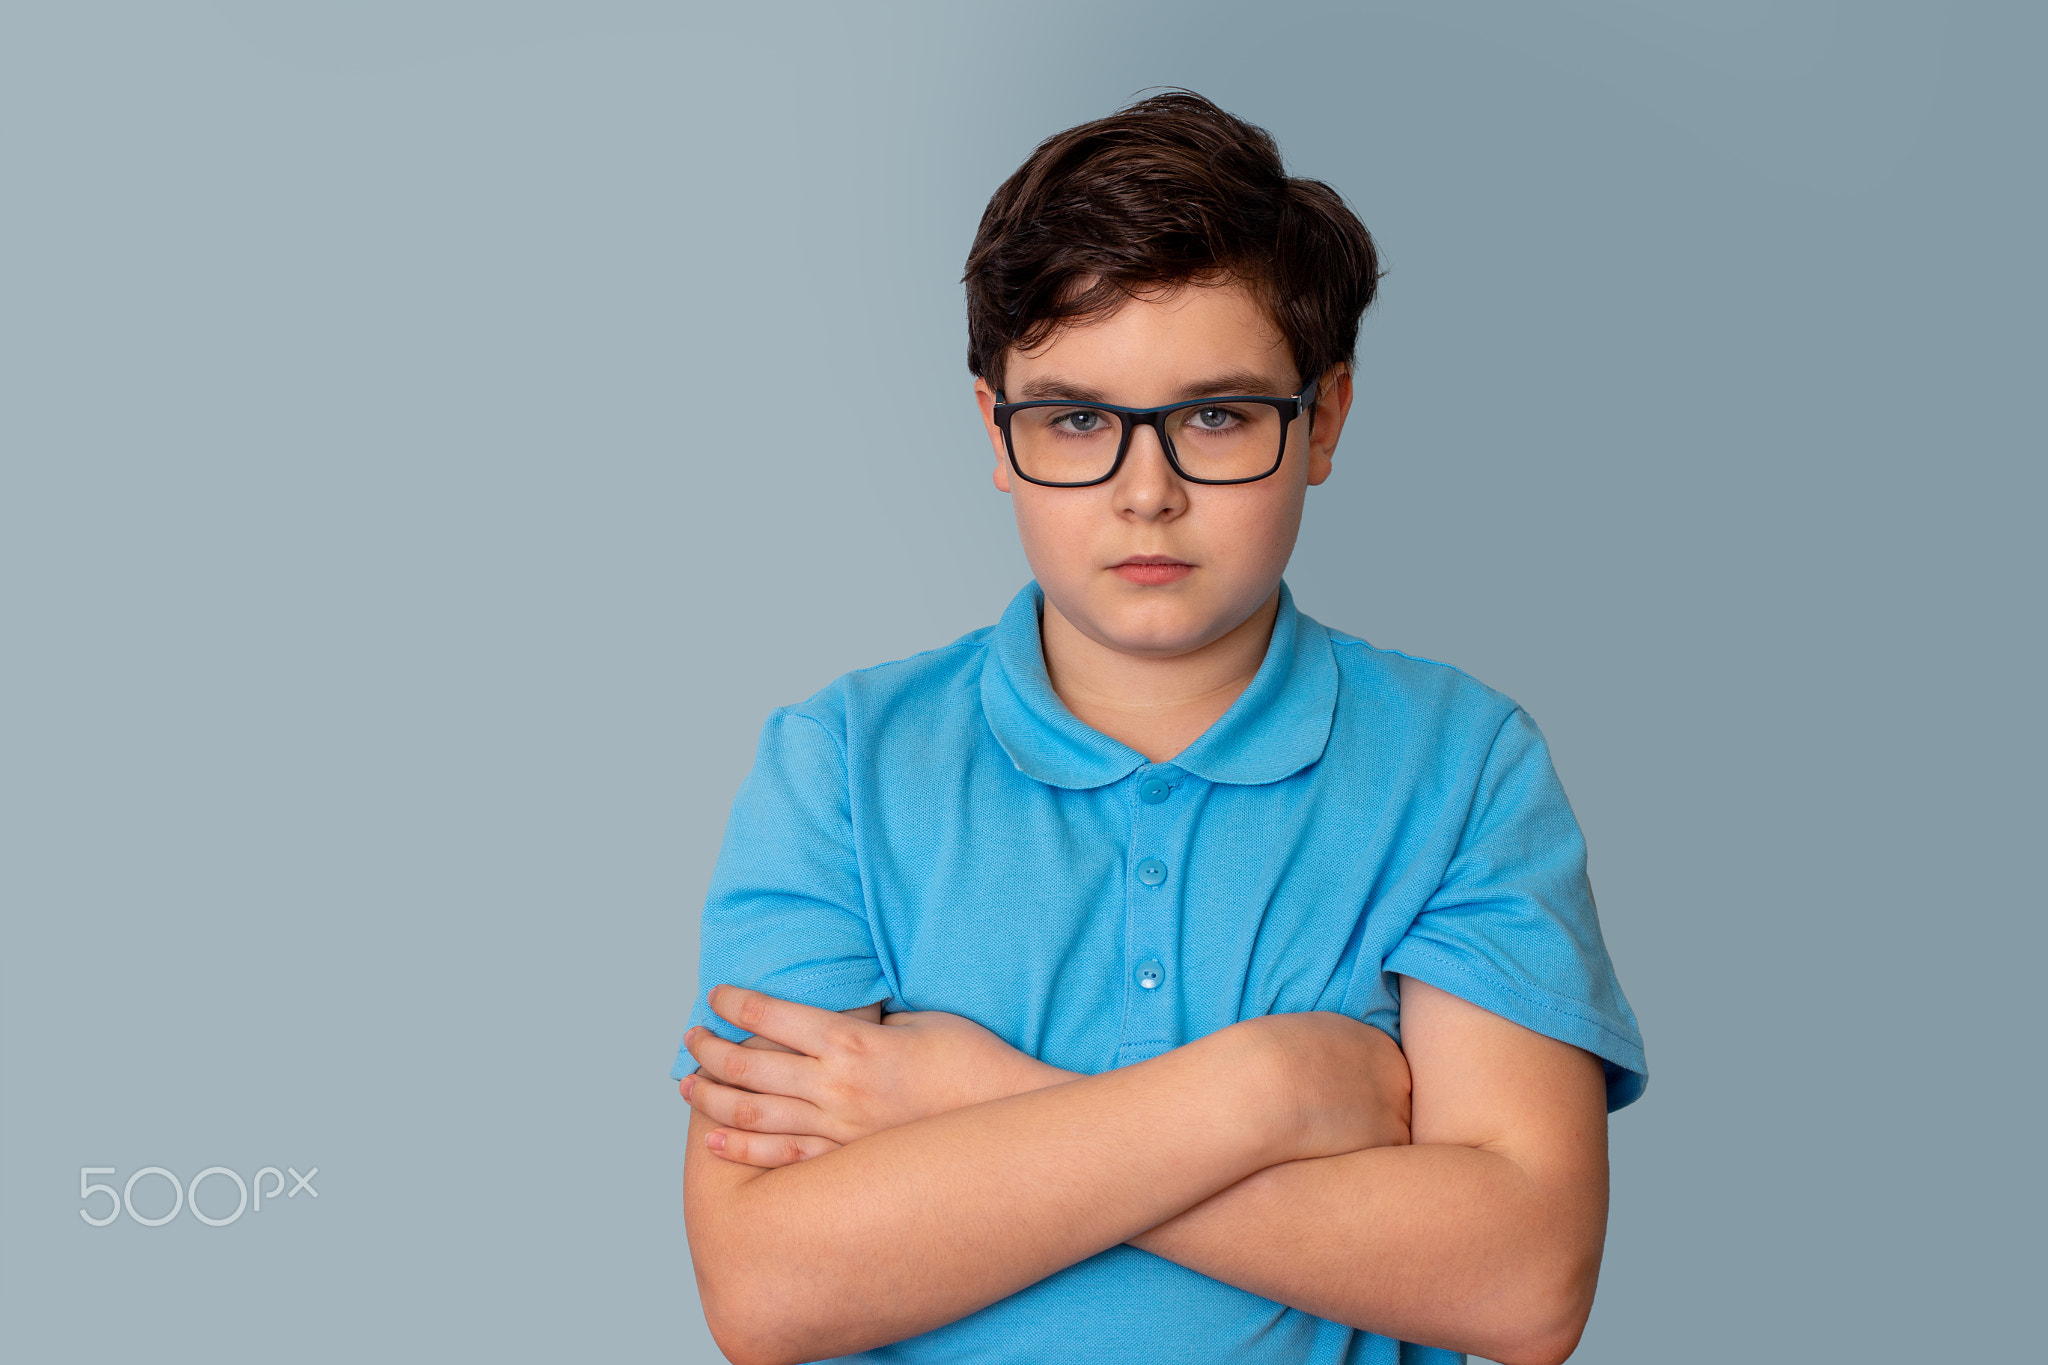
column 1390, row 677
column 933, row 679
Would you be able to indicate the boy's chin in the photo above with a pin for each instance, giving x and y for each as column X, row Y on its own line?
column 1158, row 630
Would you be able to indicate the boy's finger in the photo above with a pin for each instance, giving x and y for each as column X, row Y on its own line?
column 751, row 1068
column 766, row 1149
column 803, row 1027
column 732, row 1108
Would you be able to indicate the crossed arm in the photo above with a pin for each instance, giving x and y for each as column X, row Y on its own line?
column 1454, row 1196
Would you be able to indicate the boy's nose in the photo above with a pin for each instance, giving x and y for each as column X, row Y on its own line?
column 1147, row 486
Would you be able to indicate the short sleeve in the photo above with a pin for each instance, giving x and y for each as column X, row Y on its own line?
column 785, row 913
column 1512, row 927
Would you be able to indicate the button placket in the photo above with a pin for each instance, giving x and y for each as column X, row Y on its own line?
column 1154, row 897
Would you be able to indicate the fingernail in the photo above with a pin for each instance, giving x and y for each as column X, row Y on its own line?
column 689, row 1084
column 715, row 1141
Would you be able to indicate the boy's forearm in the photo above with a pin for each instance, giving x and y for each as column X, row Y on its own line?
column 1483, row 1236
column 1437, row 1244
column 918, row 1226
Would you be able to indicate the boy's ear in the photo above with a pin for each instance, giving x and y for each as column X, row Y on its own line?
column 985, row 399
column 1326, row 420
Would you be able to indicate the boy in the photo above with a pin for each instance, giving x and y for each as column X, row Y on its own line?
column 1244, row 994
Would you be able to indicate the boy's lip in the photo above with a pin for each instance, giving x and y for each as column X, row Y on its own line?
column 1151, row 569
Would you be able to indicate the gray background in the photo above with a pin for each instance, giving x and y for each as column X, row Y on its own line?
column 435, row 433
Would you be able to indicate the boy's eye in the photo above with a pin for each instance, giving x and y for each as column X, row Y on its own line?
column 1211, row 419
column 1081, row 422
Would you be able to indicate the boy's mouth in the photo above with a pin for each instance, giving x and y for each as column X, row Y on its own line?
column 1152, row 569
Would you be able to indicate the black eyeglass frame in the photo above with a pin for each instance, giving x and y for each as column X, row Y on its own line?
column 1133, row 418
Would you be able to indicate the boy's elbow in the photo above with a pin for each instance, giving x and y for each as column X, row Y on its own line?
column 1549, row 1348
column 728, row 1323
column 1550, row 1315
column 737, row 1348
column 748, row 1288
column 742, row 1316
column 747, row 1331
column 758, row 1318
column 741, row 1349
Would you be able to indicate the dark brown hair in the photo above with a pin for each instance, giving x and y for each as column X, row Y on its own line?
column 1164, row 192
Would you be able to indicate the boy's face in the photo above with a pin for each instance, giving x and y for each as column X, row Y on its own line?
column 1149, row 564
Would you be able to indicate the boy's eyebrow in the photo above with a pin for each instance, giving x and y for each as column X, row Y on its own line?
column 1244, row 382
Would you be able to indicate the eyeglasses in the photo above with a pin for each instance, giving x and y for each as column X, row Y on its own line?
column 1059, row 443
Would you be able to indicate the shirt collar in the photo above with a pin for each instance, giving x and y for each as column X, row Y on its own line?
column 1277, row 727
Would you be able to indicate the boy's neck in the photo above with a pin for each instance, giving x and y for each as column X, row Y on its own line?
column 1157, row 706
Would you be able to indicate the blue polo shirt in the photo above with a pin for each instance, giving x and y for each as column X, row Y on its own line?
column 942, row 834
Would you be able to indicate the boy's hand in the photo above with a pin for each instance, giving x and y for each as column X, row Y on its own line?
column 843, row 1078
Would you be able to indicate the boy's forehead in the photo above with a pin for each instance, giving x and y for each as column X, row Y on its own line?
column 1157, row 347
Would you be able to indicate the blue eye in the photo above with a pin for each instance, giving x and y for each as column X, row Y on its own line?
column 1082, row 422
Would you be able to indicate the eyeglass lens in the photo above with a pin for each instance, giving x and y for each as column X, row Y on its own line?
column 1078, row 444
